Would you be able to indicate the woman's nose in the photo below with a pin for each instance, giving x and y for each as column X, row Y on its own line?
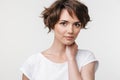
column 70, row 29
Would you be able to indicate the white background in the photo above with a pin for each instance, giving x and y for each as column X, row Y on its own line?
column 22, row 34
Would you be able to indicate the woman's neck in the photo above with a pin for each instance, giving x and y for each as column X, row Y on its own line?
column 56, row 52
column 57, row 48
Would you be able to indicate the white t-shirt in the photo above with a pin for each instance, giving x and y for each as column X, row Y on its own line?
column 38, row 67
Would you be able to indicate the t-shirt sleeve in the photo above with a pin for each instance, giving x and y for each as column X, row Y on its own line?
column 27, row 67
column 90, row 58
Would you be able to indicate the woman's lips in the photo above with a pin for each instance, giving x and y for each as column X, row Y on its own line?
column 69, row 37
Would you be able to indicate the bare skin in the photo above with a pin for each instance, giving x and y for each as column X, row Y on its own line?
column 24, row 77
column 87, row 72
column 65, row 49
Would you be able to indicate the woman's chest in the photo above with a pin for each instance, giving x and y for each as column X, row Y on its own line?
column 47, row 71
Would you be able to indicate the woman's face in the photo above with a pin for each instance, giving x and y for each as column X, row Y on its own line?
column 67, row 28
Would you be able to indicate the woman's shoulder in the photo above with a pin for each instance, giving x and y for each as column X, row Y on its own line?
column 85, row 57
column 33, row 58
column 84, row 52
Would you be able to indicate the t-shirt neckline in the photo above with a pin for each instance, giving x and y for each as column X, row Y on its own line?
column 52, row 62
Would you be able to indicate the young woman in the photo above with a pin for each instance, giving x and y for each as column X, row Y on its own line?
column 63, row 60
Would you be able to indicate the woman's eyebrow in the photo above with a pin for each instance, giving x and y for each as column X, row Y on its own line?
column 77, row 22
column 63, row 20
column 68, row 21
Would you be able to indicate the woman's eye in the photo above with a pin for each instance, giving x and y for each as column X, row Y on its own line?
column 77, row 24
column 63, row 23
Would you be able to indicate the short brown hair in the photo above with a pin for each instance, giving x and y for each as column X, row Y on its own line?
column 51, row 14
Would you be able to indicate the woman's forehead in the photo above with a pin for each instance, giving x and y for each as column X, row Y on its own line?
column 66, row 16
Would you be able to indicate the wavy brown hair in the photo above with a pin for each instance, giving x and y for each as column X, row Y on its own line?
column 51, row 14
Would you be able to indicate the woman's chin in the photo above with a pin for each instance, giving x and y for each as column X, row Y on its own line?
column 69, row 43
